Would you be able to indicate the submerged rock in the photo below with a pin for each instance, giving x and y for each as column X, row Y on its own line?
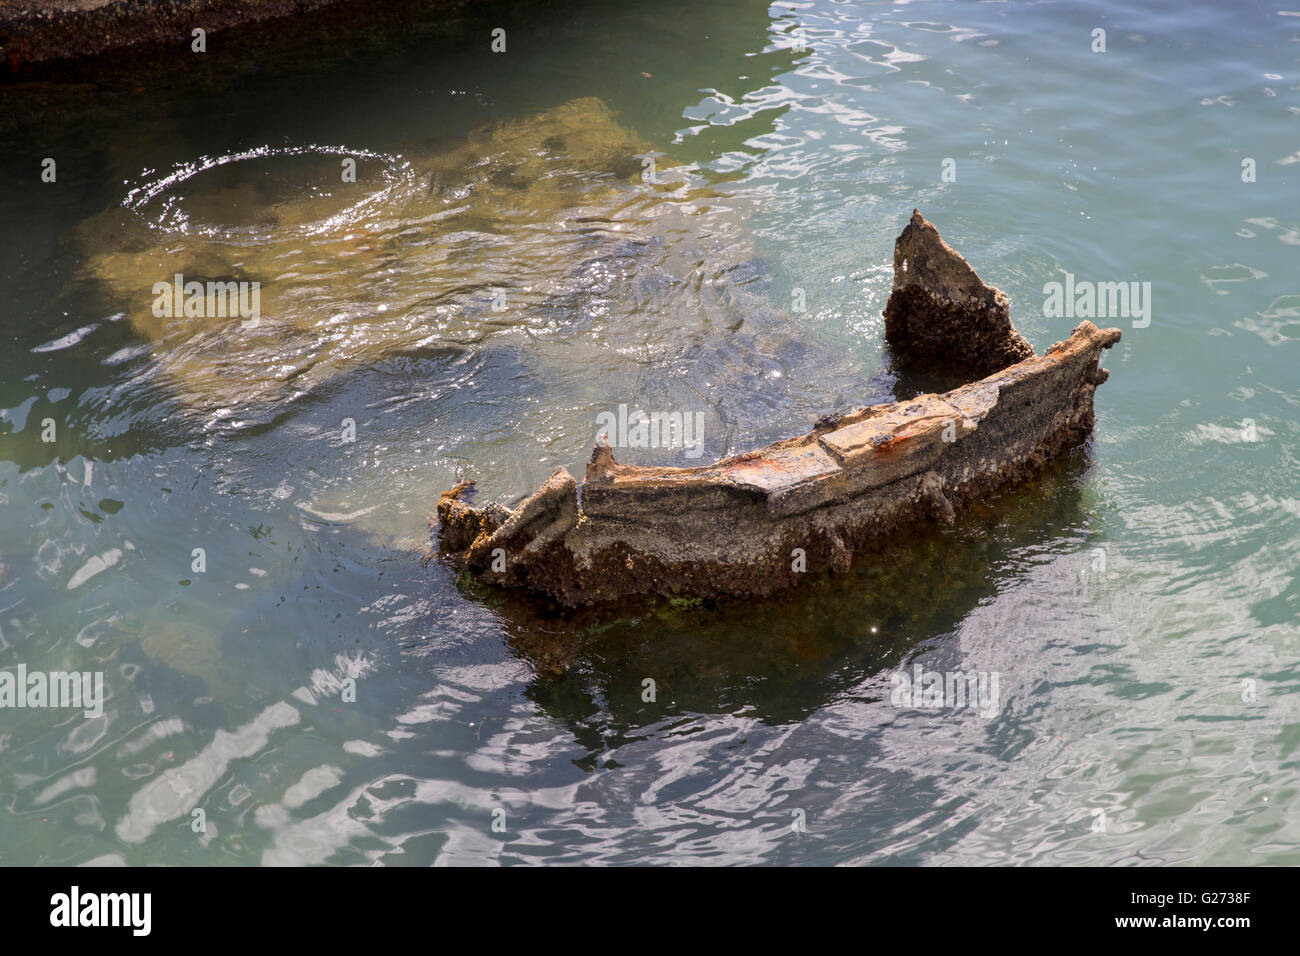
column 760, row 522
column 537, row 228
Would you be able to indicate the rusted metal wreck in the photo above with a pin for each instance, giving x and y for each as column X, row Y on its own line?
column 763, row 521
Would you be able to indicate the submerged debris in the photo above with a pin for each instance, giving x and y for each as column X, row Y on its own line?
column 488, row 235
column 757, row 523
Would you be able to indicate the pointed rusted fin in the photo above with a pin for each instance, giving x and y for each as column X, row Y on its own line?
column 941, row 310
column 601, row 463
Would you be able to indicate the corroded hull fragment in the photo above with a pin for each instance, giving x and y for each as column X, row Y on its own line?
column 939, row 309
column 763, row 521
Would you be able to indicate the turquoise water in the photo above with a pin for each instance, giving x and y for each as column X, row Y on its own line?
column 1138, row 601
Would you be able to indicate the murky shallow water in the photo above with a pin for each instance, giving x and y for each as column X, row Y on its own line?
column 1138, row 602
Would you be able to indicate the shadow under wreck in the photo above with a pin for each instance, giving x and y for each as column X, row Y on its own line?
column 760, row 522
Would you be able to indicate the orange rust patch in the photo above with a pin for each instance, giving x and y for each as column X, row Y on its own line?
column 753, row 462
column 892, row 442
